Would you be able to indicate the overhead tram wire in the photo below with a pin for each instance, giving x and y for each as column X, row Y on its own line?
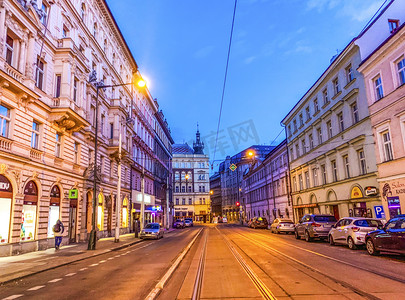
column 223, row 87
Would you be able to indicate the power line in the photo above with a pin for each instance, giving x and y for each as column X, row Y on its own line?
column 226, row 73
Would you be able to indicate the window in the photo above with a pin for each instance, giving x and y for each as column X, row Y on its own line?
column 58, row 145
column 4, row 121
column 334, row 170
column 189, row 188
column 289, row 130
column 75, row 85
column 112, row 134
column 58, row 81
column 307, row 183
column 379, row 93
column 315, row 177
column 292, row 153
column 301, row 182
column 295, row 125
column 177, row 201
column 301, row 120
column 183, row 201
column 340, row 121
column 183, row 189
column 44, row 17
column 349, row 73
column 324, row 175
column 190, row 201
column 295, row 183
column 65, row 32
column 393, row 25
column 76, row 153
column 304, row 148
column 105, row 46
column 9, row 49
column 329, row 129
column 177, row 189
column 401, row 71
column 307, row 113
column 95, row 30
column 336, row 88
column 347, row 166
column 316, row 105
column 102, row 124
column 319, row 131
column 311, row 141
column 35, row 135
column 325, row 96
column 355, row 113
column 83, row 11
column 362, row 162
column 297, row 150
column 387, row 147
column 39, row 76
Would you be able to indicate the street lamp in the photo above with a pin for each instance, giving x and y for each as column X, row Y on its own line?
column 100, row 85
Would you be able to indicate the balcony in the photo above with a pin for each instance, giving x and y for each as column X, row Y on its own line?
column 5, row 144
column 35, row 154
column 67, row 115
column 14, row 73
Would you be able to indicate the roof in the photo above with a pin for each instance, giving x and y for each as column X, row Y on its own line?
column 182, row 149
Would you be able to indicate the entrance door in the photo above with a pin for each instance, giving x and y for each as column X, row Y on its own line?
column 335, row 211
column 72, row 224
column 109, row 203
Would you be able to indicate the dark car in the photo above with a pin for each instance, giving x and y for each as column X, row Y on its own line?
column 314, row 226
column 178, row 224
column 388, row 238
column 259, row 222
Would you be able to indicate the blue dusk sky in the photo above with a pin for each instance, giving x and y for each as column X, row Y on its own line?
column 279, row 49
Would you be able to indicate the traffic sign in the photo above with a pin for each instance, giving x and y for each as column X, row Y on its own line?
column 232, row 167
column 379, row 211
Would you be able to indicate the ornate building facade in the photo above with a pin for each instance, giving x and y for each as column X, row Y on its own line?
column 48, row 112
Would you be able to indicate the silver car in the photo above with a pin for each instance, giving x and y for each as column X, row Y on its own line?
column 282, row 225
column 314, row 226
column 352, row 231
column 152, row 230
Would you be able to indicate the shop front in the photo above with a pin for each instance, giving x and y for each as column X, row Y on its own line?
column 54, row 209
column 363, row 202
column 73, row 198
column 393, row 195
column 29, row 212
column 6, row 200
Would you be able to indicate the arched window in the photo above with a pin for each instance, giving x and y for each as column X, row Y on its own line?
column 125, row 212
column 100, row 212
column 83, row 11
column 54, row 209
column 29, row 212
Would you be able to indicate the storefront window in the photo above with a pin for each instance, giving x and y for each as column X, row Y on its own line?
column 29, row 212
column 6, row 195
column 54, row 209
column 100, row 212
column 125, row 212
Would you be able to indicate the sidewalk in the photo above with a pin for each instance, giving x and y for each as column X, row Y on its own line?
column 19, row 266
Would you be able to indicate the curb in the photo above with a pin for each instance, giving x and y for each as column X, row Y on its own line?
column 70, row 262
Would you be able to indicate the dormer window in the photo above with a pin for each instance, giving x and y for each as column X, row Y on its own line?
column 393, row 24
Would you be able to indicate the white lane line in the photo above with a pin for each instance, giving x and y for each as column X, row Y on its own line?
column 93, row 265
column 102, row 261
column 55, row 280
column 70, row 274
column 13, row 297
column 36, row 288
column 117, row 255
column 82, row 269
column 110, row 258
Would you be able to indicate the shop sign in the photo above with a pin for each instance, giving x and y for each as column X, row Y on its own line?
column 5, row 185
column 232, row 167
column 370, row 191
column 73, row 194
column 356, row 193
column 156, row 208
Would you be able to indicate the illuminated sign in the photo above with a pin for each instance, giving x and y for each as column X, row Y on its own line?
column 232, row 167
column 73, row 194
column 156, row 208
column 370, row 191
column 356, row 193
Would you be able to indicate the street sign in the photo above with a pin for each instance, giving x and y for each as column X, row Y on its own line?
column 232, row 167
column 379, row 211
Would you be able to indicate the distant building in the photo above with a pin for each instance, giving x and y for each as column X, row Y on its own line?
column 191, row 194
column 266, row 185
column 231, row 180
column 216, row 196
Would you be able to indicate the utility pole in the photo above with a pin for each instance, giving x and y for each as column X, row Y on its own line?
column 143, row 196
column 118, row 203
column 167, row 203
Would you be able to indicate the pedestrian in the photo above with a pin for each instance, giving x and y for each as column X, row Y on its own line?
column 58, row 230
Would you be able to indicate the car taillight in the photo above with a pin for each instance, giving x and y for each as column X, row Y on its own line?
column 356, row 229
column 316, row 225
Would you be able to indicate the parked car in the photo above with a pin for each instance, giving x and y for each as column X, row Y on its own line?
column 388, row 238
column 178, row 224
column 152, row 230
column 352, row 231
column 259, row 222
column 220, row 220
column 225, row 220
column 189, row 222
column 314, row 226
column 282, row 225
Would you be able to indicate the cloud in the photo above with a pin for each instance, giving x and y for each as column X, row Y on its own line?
column 204, row 52
column 299, row 47
column 249, row 59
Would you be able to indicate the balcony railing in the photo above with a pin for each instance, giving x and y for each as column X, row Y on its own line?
column 13, row 72
column 5, row 144
column 35, row 154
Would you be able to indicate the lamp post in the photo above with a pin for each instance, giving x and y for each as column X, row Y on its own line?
column 93, row 232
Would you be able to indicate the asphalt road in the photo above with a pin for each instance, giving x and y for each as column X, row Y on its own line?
column 225, row 262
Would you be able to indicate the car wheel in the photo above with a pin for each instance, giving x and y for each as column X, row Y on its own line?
column 371, row 248
column 297, row 236
column 331, row 241
column 307, row 236
column 278, row 232
column 351, row 244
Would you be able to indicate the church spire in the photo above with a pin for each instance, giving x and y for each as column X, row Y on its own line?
column 198, row 145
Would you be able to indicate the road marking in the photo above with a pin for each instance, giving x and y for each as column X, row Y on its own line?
column 93, row 265
column 36, row 288
column 13, row 297
column 70, row 274
column 55, row 280
column 102, row 261
column 117, row 255
column 82, row 269
column 110, row 258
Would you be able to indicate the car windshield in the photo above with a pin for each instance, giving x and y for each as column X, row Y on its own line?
column 286, row 222
column 325, row 219
column 152, row 226
column 188, row 221
column 367, row 223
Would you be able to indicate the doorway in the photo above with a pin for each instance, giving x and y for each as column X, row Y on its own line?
column 72, row 224
column 335, row 211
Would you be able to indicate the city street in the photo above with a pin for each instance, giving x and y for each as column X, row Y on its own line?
column 225, row 262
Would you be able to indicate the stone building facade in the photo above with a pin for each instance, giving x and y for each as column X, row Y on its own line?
column 52, row 56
